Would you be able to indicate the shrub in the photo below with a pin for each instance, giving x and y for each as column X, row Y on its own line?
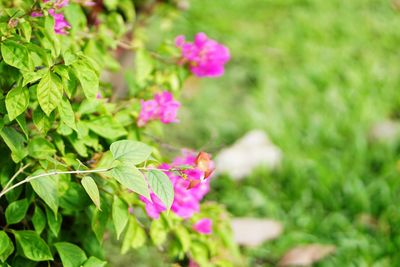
column 78, row 161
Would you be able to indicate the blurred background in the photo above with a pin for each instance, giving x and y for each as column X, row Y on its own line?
column 321, row 80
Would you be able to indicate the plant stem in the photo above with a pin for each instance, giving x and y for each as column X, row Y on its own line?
column 28, row 179
column 20, row 170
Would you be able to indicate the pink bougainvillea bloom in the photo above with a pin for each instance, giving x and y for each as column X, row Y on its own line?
column 60, row 23
column 153, row 207
column 205, row 56
column 148, row 112
column 186, row 199
column 163, row 107
column 168, row 107
column 203, row 226
column 36, row 14
column 192, row 263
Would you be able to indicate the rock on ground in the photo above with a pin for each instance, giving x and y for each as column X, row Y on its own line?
column 251, row 151
column 253, row 232
column 385, row 131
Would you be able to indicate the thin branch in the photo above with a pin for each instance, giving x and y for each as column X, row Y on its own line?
column 20, row 170
column 28, row 179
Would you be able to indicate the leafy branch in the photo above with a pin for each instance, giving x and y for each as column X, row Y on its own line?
column 31, row 178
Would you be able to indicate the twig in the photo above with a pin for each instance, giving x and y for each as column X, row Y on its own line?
column 21, row 169
column 28, row 179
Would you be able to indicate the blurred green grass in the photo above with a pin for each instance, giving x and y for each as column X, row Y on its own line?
column 315, row 75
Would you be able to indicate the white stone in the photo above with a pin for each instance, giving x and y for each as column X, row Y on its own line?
column 249, row 152
column 385, row 131
column 253, row 232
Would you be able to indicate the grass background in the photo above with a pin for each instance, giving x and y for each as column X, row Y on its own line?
column 315, row 75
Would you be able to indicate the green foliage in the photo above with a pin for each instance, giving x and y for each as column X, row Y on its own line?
column 131, row 178
column 49, row 92
column 73, row 160
column 131, row 151
column 46, row 188
column 70, row 254
column 6, row 246
column 91, row 189
column 17, row 101
column 120, row 215
column 16, row 211
column 32, row 246
column 162, row 186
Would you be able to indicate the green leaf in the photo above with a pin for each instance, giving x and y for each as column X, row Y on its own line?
column 33, row 76
column 88, row 78
column 26, row 30
column 46, row 188
column 158, row 232
column 68, row 78
column 21, row 120
column 16, row 211
column 75, row 198
column 51, row 41
column 6, row 246
column 32, row 246
column 100, row 220
column 126, row 6
column 49, row 92
column 40, row 55
column 17, row 101
column 162, row 186
column 59, row 143
column 132, row 151
column 78, row 145
column 91, row 189
column 54, row 222
column 15, row 142
column 67, row 114
column 94, row 262
column 135, row 236
column 111, row 4
column 120, row 215
column 113, row 130
column 71, row 255
column 38, row 220
column 40, row 148
column 16, row 55
column 183, row 237
column 144, row 66
column 132, row 179
column 41, row 121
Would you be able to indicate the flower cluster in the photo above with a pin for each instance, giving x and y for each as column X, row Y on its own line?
column 163, row 107
column 187, row 193
column 203, row 226
column 60, row 23
column 205, row 56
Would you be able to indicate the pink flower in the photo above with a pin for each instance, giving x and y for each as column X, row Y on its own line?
column 163, row 107
column 205, row 56
column 187, row 198
column 192, row 263
column 35, row 14
column 60, row 23
column 203, row 226
column 153, row 207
